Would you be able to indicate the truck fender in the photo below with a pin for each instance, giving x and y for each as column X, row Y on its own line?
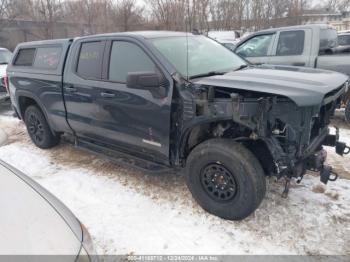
column 187, row 130
column 24, row 93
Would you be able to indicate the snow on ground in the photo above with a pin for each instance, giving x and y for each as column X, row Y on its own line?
column 128, row 212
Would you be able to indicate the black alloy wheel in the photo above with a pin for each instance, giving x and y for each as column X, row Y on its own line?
column 218, row 182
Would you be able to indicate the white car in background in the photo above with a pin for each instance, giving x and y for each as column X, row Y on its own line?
column 226, row 38
column 5, row 57
column 33, row 222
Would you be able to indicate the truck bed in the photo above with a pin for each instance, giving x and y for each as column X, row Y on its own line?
column 335, row 62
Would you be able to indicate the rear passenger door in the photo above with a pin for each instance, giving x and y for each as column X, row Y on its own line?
column 81, row 88
column 292, row 47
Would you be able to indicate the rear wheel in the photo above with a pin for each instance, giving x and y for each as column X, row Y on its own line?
column 225, row 178
column 38, row 128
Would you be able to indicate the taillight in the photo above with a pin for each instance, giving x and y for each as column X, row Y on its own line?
column 6, row 83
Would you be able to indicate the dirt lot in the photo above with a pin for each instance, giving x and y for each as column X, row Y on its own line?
column 130, row 212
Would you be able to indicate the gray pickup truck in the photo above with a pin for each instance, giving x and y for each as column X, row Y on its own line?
column 308, row 45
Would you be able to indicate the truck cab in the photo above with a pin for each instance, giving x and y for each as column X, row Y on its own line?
column 306, row 45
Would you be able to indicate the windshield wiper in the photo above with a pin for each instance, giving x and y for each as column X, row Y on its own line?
column 211, row 73
column 3, row 63
column 241, row 67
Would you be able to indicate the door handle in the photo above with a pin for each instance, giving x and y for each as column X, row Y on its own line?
column 298, row 64
column 70, row 89
column 107, row 95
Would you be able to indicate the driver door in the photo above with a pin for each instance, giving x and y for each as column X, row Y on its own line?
column 257, row 49
column 132, row 119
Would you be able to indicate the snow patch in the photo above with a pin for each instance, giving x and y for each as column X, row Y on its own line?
column 130, row 212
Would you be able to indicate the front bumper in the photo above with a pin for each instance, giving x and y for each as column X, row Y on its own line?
column 312, row 158
column 315, row 162
column 333, row 141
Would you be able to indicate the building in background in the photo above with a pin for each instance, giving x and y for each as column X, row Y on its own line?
column 340, row 20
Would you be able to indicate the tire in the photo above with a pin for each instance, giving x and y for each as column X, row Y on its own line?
column 347, row 112
column 234, row 165
column 38, row 128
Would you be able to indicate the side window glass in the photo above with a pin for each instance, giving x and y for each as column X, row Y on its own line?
column 25, row 57
column 128, row 58
column 328, row 41
column 291, row 43
column 256, row 46
column 47, row 57
column 344, row 40
column 90, row 60
column 344, row 44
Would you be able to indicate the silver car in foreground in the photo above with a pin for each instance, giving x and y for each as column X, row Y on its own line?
column 33, row 222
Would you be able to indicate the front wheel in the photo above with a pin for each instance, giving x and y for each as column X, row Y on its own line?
column 38, row 128
column 225, row 178
column 347, row 112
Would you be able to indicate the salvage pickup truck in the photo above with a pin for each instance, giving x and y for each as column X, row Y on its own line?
column 313, row 46
column 161, row 101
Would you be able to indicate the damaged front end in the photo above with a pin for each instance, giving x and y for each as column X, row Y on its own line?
column 287, row 139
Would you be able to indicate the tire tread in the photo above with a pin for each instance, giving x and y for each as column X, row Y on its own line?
column 50, row 139
column 237, row 152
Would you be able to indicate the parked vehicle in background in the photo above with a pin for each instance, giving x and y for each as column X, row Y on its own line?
column 34, row 222
column 226, row 38
column 5, row 57
column 307, row 45
column 172, row 100
column 343, row 43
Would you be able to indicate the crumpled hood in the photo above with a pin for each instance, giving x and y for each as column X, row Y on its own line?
column 3, row 70
column 304, row 86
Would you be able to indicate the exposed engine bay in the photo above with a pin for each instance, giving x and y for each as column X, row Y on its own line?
column 286, row 138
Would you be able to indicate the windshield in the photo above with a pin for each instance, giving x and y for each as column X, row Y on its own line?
column 205, row 56
column 230, row 46
column 5, row 56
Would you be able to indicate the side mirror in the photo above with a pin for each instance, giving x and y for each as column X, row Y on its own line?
column 147, row 81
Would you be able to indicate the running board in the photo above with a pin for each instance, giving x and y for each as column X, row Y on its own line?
column 123, row 158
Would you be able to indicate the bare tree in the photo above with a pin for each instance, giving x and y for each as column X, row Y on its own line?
column 169, row 14
column 338, row 5
column 46, row 13
column 11, row 9
column 83, row 17
column 84, row 13
column 127, row 15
